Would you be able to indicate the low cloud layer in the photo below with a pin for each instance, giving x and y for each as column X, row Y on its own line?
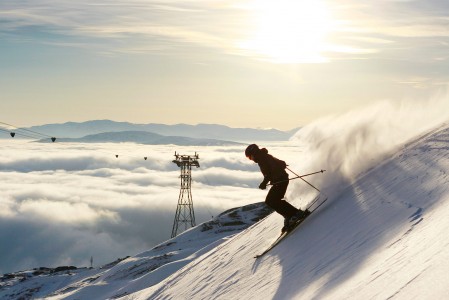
column 63, row 203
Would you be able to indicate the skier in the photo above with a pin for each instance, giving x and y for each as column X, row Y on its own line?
column 273, row 170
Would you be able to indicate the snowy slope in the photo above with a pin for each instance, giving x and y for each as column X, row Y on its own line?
column 384, row 237
column 131, row 274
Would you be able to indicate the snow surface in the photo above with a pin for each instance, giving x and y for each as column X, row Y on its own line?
column 383, row 237
column 131, row 274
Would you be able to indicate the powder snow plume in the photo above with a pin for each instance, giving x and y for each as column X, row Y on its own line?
column 349, row 144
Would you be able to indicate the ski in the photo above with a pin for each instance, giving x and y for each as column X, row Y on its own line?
column 314, row 205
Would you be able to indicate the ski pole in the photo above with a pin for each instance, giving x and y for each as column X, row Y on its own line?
column 304, row 179
column 298, row 176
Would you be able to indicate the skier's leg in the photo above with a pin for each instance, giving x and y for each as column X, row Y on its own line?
column 274, row 200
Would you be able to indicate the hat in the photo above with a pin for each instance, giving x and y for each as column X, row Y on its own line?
column 251, row 150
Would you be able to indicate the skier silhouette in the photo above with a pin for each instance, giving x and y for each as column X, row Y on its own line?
column 273, row 170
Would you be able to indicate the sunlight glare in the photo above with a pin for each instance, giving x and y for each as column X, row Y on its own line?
column 288, row 31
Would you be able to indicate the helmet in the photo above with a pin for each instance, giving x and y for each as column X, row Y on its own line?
column 251, row 150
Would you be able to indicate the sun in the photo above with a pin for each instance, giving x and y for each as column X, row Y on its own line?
column 288, row 31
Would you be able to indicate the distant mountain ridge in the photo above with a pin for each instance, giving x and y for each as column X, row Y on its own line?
column 203, row 131
column 144, row 137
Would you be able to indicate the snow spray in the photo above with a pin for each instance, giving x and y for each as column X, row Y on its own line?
column 352, row 143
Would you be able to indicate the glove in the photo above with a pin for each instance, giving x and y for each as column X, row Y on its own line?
column 262, row 186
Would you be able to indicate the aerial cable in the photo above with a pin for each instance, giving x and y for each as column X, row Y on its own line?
column 13, row 134
column 14, row 131
column 25, row 132
column 121, row 155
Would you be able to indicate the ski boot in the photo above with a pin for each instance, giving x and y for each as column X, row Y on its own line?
column 286, row 225
column 290, row 222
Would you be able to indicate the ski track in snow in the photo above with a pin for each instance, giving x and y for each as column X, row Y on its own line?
column 383, row 237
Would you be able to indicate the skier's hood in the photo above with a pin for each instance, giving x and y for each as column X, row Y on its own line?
column 259, row 154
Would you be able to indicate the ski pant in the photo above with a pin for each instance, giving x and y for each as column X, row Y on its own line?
column 274, row 200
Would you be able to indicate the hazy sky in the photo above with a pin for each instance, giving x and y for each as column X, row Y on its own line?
column 241, row 63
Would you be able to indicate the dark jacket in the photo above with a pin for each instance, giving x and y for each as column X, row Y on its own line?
column 273, row 169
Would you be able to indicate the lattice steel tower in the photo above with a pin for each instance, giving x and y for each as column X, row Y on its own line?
column 185, row 215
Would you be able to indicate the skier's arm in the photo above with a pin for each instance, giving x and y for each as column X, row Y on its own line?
column 265, row 169
column 263, row 184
